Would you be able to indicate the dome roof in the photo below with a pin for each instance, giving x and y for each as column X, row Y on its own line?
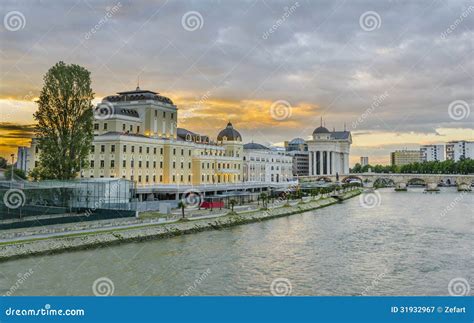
column 321, row 129
column 297, row 141
column 253, row 145
column 229, row 133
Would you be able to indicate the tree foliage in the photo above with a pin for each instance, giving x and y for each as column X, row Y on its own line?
column 64, row 121
column 3, row 162
column 463, row 166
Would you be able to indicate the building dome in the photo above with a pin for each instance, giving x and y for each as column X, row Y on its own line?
column 297, row 141
column 321, row 129
column 229, row 134
column 253, row 145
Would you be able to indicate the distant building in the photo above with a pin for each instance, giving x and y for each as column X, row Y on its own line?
column 329, row 152
column 364, row 161
column 22, row 158
column 405, row 157
column 432, row 153
column 456, row 150
column 298, row 150
column 262, row 164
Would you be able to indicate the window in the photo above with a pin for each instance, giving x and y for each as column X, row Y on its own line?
column 172, row 116
column 161, row 164
column 174, row 178
column 102, row 148
column 132, row 163
column 140, row 178
column 161, row 151
column 154, row 178
column 189, row 165
column 131, row 178
column 131, row 128
column 154, row 151
column 102, row 164
column 182, row 152
column 124, row 148
column 139, row 164
column 92, row 164
column 105, row 125
column 161, row 178
column 36, row 164
column 189, row 178
column 138, row 129
column 112, row 148
column 92, row 148
column 182, row 165
column 124, row 163
column 147, row 150
column 146, row 178
column 96, row 126
column 140, row 149
column 174, row 151
column 189, row 152
column 123, row 127
column 156, row 114
column 133, row 149
column 164, row 114
column 154, row 164
column 181, row 178
column 174, row 164
column 112, row 164
column 147, row 164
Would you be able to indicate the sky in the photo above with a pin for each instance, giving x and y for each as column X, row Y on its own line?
column 397, row 74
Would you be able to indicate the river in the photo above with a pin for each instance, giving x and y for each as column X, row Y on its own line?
column 406, row 243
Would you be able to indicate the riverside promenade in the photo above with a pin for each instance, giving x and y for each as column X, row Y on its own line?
column 142, row 230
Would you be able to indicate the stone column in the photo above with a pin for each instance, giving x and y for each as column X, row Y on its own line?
column 321, row 162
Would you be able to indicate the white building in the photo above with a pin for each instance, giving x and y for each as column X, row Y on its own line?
column 262, row 164
column 364, row 161
column 329, row 152
column 432, row 153
column 456, row 150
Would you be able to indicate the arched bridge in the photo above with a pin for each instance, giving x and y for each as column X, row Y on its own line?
column 400, row 181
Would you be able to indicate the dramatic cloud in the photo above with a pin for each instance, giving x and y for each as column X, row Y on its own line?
column 233, row 59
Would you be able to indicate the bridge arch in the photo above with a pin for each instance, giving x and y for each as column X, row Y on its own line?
column 324, row 178
column 384, row 181
column 416, row 181
column 352, row 178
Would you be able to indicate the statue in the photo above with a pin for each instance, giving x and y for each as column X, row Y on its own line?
column 337, row 177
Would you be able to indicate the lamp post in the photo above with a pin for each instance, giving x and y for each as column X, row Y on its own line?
column 13, row 158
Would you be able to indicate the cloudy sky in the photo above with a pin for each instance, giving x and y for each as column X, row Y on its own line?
column 397, row 73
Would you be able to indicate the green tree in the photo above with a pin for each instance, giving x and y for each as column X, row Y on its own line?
column 64, row 121
column 3, row 162
column 17, row 173
column 232, row 202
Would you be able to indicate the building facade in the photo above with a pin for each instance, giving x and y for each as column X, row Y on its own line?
column 136, row 138
column 298, row 149
column 457, row 150
column 262, row 164
column 404, row 157
column 432, row 153
column 364, row 161
column 329, row 152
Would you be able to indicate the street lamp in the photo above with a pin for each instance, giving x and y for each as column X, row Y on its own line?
column 13, row 158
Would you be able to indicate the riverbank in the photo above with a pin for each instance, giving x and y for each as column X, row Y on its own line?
column 93, row 239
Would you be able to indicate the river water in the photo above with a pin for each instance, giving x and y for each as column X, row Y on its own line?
column 398, row 244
